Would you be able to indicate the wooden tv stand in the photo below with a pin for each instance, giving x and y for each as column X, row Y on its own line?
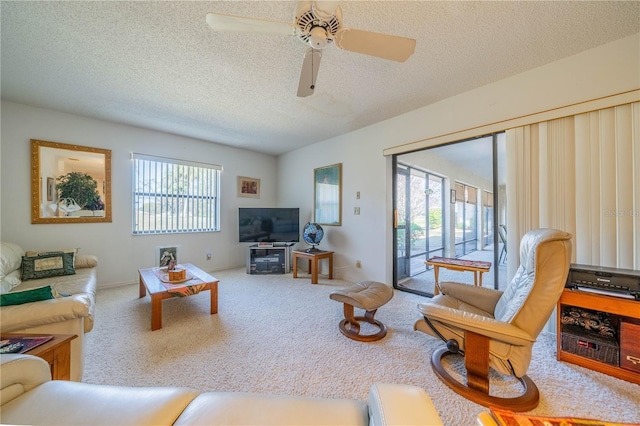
column 597, row 302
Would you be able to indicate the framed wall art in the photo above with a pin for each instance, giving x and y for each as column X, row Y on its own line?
column 248, row 187
column 51, row 188
column 328, row 195
column 69, row 183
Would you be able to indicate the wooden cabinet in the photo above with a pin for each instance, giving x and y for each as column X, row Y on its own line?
column 623, row 308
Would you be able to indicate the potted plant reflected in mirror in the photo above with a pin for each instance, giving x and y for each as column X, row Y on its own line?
column 78, row 194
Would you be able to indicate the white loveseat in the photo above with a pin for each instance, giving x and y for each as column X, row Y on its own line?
column 29, row 396
column 69, row 312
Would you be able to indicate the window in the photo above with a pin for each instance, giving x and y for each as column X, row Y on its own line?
column 466, row 219
column 172, row 195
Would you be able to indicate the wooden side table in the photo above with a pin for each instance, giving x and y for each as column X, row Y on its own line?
column 314, row 257
column 57, row 352
column 475, row 266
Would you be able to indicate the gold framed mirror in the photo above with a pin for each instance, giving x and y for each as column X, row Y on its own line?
column 327, row 204
column 69, row 183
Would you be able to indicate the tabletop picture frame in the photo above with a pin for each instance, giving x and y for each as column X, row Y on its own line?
column 165, row 254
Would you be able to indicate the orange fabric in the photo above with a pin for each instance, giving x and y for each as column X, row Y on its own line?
column 509, row 418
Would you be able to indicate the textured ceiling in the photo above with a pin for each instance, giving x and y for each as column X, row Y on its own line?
column 159, row 65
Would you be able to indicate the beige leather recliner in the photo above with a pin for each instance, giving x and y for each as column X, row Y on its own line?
column 498, row 329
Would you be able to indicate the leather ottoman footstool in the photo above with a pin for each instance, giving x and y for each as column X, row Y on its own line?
column 367, row 295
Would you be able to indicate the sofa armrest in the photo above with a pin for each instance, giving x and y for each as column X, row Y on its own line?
column 481, row 297
column 21, row 373
column 80, row 305
column 479, row 324
column 34, row 314
column 391, row 404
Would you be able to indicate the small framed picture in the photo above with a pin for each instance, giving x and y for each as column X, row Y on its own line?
column 51, row 188
column 248, row 187
column 166, row 254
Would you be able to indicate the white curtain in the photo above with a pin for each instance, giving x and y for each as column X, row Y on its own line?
column 580, row 174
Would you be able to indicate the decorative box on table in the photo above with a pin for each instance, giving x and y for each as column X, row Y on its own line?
column 177, row 274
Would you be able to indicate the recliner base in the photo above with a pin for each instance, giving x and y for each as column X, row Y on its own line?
column 525, row 402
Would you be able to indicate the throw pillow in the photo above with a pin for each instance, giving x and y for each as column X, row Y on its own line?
column 85, row 261
column 47, row 265
column 10, row 258
column 509, row 418
column 27, row 296
column 10, row 281
column 33, row 253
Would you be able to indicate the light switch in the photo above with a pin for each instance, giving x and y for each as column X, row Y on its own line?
column 356, row 210
column 358, row 195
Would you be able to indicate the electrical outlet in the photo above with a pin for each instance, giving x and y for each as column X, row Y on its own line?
column 358, row 264
column 209, row 255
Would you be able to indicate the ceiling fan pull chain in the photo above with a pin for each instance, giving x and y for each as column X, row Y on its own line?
column 313, row 86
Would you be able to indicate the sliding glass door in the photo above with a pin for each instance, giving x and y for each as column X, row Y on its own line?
column 419, row 216
column 443, row 203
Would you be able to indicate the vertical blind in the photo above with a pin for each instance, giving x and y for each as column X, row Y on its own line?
column 580, row 174
column 171, row 195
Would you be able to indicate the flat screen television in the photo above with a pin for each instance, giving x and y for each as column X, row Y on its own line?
column 269, row 225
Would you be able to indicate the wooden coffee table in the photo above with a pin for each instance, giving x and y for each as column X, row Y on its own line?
column 149, row 281
column 57, row 352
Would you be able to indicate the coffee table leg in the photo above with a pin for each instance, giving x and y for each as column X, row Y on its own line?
column 213, row 289
column 156, row 312
column 143, row 289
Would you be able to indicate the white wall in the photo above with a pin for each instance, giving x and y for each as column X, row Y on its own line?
column 606, row 70
column 287, row 180
column 120, row 253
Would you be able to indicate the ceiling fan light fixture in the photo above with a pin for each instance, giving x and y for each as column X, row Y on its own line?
column 318, row 38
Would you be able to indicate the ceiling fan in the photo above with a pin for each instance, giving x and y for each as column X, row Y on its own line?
column 319, row 24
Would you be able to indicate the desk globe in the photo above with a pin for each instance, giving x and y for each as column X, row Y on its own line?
column 312, row 234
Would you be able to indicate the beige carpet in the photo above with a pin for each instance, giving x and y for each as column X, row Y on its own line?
column 274, row 334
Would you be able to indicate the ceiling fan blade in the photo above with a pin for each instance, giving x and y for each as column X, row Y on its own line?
column 385, row 46
column 230, row 23
column 309, row 73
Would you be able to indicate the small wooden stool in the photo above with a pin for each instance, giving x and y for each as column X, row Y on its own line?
column 367, row 295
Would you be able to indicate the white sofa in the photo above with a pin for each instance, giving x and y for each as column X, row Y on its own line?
column 69, row 312
column 29, row 396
